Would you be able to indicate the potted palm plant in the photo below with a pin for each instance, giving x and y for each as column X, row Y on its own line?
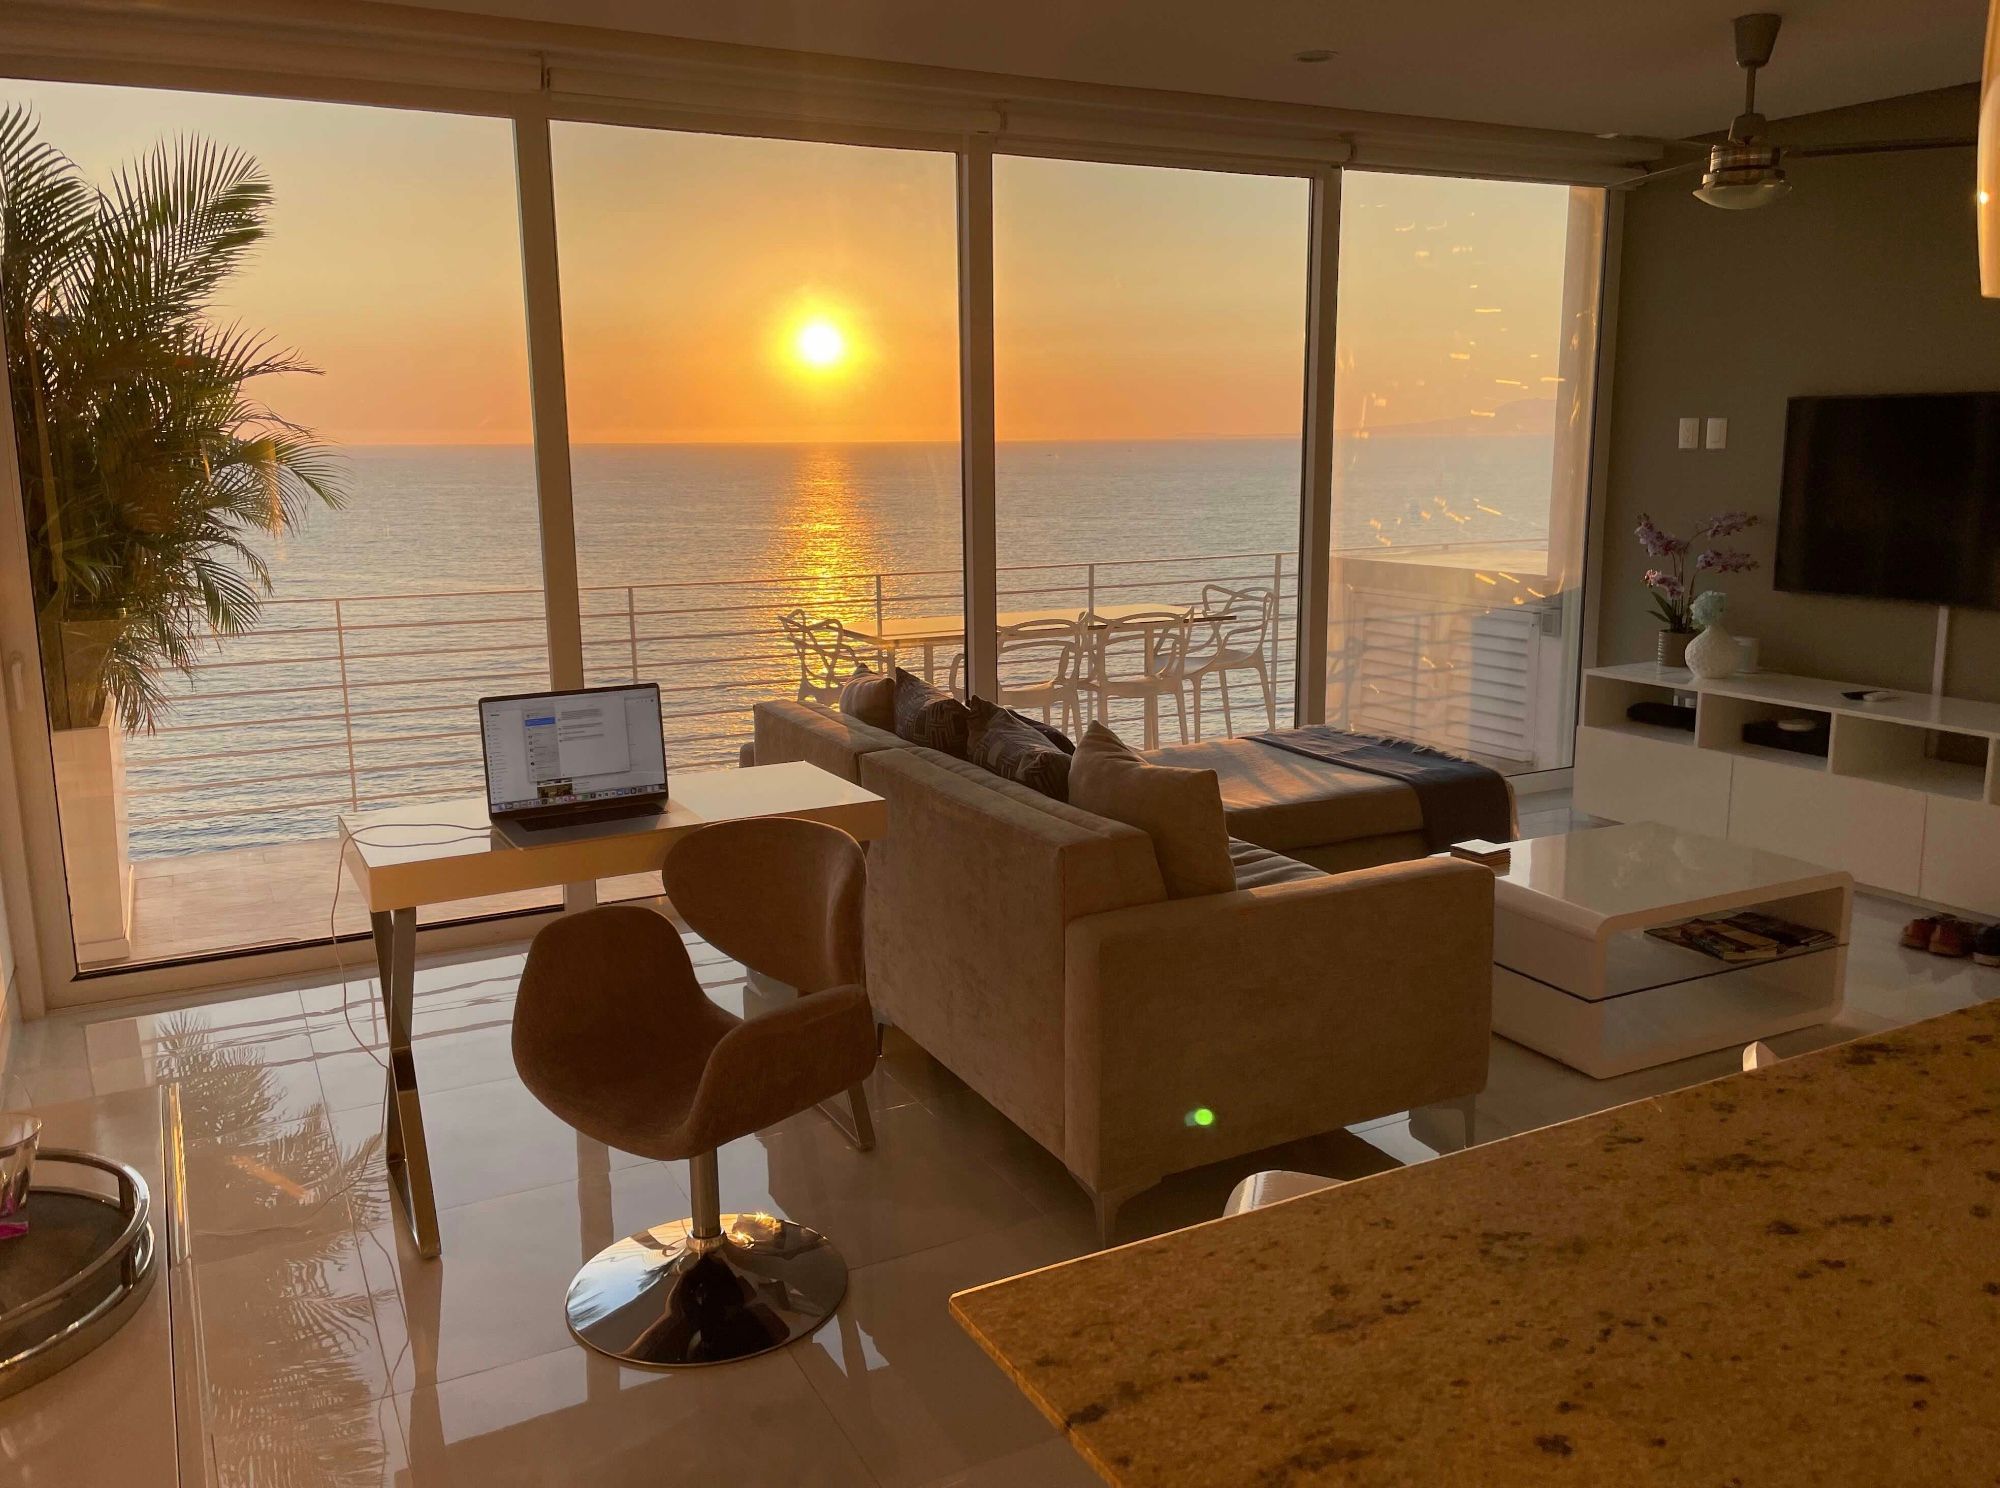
column 145, row 464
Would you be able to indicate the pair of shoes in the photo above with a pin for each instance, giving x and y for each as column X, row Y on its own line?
column 1986, row 949
column 1917, row 934
column 1947, row 935
column 1953, row 938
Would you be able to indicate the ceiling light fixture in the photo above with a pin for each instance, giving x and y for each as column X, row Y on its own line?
column 1745, row 172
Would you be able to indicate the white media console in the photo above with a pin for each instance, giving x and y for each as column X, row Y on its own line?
column 1907, row 797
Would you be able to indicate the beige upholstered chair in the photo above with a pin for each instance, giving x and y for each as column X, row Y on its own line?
column 784, row 897
column 613, row 1033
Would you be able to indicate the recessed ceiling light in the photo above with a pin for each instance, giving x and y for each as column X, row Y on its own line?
column 1313, row 54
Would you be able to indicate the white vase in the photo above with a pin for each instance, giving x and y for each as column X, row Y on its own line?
column 1714, row 653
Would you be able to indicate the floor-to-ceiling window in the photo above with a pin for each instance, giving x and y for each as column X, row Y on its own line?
column 269, row 382
column 1466, row 351
column 761, row 339
column 328, row 541
column 1149, row 354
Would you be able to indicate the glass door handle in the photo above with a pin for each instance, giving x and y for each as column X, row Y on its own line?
column 17, row 682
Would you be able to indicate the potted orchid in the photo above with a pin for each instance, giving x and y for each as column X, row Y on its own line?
column 1677, row 583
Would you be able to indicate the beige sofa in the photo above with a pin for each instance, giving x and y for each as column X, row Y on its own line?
column 1031, row 948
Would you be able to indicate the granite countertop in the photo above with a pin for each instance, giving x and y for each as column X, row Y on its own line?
column 1789, row 1276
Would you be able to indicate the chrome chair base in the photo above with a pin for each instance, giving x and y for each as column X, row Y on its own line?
column 663, row 1299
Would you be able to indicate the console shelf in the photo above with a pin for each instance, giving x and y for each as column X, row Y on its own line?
column 1906, row 798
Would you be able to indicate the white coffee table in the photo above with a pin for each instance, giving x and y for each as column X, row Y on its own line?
column 1576, row 977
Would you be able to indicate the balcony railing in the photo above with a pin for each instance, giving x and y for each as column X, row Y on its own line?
column 355, row 701
column 334, row 704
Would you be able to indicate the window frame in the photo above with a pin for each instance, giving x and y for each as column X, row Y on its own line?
column 532, row 94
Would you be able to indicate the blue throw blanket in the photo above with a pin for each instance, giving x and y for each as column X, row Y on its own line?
column 1460, row 800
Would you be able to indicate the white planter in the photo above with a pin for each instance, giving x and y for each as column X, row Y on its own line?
column 1714, row 653
column 90, row 798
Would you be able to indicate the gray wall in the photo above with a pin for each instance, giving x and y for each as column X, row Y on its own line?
column 1864, row 280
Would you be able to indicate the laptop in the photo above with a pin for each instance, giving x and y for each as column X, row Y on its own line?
column 567, row 765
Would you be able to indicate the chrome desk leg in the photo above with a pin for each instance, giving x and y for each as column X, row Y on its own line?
column 403, row 1139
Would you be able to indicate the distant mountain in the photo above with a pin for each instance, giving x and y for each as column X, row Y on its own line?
column 1522, row 416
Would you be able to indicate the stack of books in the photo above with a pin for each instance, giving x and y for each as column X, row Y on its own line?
column 1494, row 855
column 1747, row 935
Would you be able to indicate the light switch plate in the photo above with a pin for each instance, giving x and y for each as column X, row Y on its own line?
column 1690, row 433
column 1717, row 433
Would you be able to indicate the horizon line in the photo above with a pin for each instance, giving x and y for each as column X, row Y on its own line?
column 1392, row 431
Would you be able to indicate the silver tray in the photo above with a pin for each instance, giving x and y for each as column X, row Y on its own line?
column 73, row 1280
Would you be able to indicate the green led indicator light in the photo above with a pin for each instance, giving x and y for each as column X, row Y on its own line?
column 1201, row 1116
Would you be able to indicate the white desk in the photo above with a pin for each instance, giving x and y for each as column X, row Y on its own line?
column 403, row 859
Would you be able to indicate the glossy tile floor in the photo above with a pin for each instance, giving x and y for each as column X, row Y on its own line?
column 336, row 1356
column 201, row 903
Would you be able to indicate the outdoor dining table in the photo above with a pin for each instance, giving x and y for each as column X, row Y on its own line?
column 894, row 634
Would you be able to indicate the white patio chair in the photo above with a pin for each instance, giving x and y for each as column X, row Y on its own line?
column 827, row 656
column 1236, row 644
column 1273, row 1186
column 1343, row 668
column 1041, row 670
column 1155, row 644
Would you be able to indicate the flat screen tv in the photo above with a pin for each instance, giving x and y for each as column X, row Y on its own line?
column 1895, row 496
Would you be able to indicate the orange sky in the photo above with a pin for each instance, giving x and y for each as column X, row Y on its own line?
column 1130, row 303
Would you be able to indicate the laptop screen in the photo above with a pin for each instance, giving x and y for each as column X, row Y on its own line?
column 572, row 748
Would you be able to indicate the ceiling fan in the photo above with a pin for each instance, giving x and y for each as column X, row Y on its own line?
column 1747, row 169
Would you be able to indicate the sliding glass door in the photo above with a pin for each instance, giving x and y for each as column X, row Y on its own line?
column 283, row 521
column 1149, row 334
column 761, row 339
column 1463, row 404
column 269, row 383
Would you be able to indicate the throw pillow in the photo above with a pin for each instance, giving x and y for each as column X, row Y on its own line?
column 1181, row 810
column 870, row 698
column 1006, row 744
column 930, row 716
column 1048, row 731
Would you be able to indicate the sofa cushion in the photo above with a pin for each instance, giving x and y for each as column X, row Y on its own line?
column 1180, row 810
column 930, row 716
column 1258, row 867
column 1285, row 801
column 1013, row 749
column 871, row 697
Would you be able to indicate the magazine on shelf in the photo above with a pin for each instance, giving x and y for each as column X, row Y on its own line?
column 1747, row 935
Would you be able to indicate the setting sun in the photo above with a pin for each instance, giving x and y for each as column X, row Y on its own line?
column 819, row 343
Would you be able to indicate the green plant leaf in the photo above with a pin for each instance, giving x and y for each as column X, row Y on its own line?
column 144, row 463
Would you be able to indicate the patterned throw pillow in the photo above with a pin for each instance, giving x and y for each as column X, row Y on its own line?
column 1048, row 731
column 870, row 698
column 1016, row 749
column 930, row 716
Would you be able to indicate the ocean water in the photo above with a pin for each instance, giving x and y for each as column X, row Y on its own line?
column 390, row 617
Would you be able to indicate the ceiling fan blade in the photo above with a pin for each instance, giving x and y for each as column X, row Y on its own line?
column 1875, row 147
column 1663, row 172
